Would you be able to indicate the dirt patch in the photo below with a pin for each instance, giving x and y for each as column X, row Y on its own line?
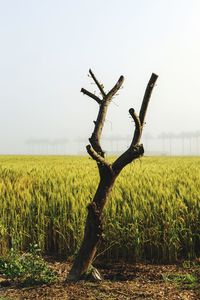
column 121, row 281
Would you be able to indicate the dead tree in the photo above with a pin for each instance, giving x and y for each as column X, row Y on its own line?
column 108, row 172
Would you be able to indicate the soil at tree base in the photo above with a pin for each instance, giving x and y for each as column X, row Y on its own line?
column 121, row 281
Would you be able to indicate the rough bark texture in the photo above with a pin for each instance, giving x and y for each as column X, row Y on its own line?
column 107, row 172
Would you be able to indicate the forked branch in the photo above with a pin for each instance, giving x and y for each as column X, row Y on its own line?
column 103, row 106
column 136, row 150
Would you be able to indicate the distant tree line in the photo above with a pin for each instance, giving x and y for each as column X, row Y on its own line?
column 166, row 143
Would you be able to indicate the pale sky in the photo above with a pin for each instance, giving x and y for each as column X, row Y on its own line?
column 47, row 47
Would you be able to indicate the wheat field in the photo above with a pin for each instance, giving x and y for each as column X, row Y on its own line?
column 153, row 212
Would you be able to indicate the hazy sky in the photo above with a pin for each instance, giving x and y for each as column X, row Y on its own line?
column 47, row 47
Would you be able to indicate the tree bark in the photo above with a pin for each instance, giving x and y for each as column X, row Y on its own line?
column 93, row 230
column 107, row 172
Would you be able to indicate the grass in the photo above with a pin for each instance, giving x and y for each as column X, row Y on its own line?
column 189, row 278
column 27, row 268
column 153, row 212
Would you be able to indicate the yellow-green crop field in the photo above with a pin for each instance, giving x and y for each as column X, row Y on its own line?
column 152, row 214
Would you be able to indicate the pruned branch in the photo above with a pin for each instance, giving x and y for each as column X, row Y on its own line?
column 99, row 159
column 146, row 97
column 135, row 150
column 100, row 86
column 93, row 96
column 117, row 86
column 138, row 128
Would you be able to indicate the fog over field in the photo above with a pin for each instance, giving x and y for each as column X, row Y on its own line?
column 47, row 48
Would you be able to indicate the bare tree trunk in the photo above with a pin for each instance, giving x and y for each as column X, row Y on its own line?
column 93, row 231
column 107, row 172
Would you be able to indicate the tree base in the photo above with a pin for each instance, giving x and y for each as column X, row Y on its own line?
column 92, row 275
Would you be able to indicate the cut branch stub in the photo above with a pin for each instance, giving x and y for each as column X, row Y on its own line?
column 91, row 95
column 98, row 158
column 138, row 128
